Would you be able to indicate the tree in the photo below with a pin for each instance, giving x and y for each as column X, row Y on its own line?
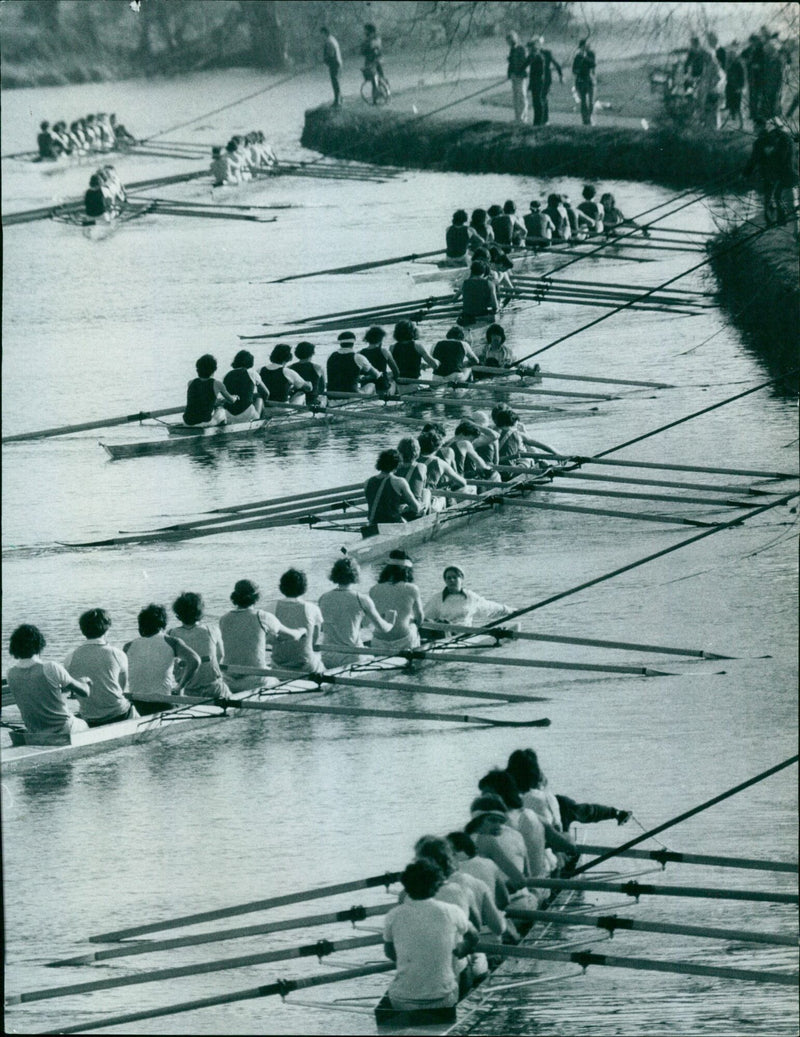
column 43, row 12
column 267, row 37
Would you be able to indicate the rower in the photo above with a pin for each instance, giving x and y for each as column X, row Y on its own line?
column 414, row 471
column 389, row 497
column 460, row 240
column 268, row 156
column 440, row 473
column 468, row 461
column 151, row 661
column 236, row 167
column 396, row 594
column 61, row 137
column 220, row 167
column 469, row 861
column 454, row 604
column 486, row 444
column 245, row 632
column 518, row 230
column 109, row 176
column 96, row 202
column 202, row 409
column 106, row 131
column 91, row 132
column 442, row 449
column 206, row 640
column 501, row 226
column 343, row 612
column 293, row 611
column 38, row 689
column 77, row 139
column 104, row 668
column 498, row 840
column 478, row 295
column 347, row 370
column 423, row 935
column 579, row 223
column 242, row 381
column 408, row 352
column 558, row 215
column 379, row 355
column 454, row 357
column 49, row 148
column 283, row 384
column 594, row 210
column 540, row 227
column 479, row 221
column 538, row 842
column 309, row 371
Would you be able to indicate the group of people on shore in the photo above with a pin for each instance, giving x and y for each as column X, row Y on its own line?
column 114, row 684
column 371, row 50
column 93, row 132
column 530, row 70
column 460, row 887
column 242, row 158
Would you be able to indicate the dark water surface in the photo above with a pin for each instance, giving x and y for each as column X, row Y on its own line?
column 264, row 805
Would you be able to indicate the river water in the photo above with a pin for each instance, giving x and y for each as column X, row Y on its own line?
column 272, row 804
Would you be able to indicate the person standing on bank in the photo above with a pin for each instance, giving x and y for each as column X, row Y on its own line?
column 540, row 78
column 517, row 68
column 584, row 66
column 332, row 57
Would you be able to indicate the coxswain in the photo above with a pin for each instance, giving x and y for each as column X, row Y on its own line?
column 454, row 358
column 414, row 471
column 243, row 382
column 104, row 668
column 202, row 393
column 96, row 202
column 49, row 147
column 495, row 353
column 294, row 611
column 380, row 356
column 396, row 594
column 246, row 631
column 344, row 610
column 283, row 384
column 460, row 240
column 151, row 661
column 592, row 209
column 614, row 218
column 540, row 227
column 389, row 497
column 121, row 135
column 478, row 295
column 514, row 438
column 454, row 604
column 348, row 370
column 38, row 689
column 309, row 371
column 479, row 221
column 408, row 352
column 204, row 639
column 220, row 168
column 424, row 936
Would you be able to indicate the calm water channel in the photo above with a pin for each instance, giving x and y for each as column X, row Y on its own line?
column 271, row 804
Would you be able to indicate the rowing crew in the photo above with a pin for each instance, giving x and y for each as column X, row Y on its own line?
column 458, row 888
column 106, row 194
column 100, row 132
column 241, row 158
column 115, row 684
column 556, row 221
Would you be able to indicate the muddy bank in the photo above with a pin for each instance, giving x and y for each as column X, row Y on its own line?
column 758, row 281
column 395, row 137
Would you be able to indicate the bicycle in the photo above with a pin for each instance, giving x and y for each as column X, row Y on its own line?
column 375, row 89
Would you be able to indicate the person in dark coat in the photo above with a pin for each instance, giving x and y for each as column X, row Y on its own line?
column 540, row 78
column 773, row 161
column 735, row 79
column 584, row 66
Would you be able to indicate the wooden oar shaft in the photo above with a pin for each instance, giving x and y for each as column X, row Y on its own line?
column 351, row 914
column 633, row 302
column 500, row 372
column 355, row 268
column 715, row 861
column 455, row 401
column 633, row 646
column 515, row 387
column 63, row 430
column 543, row 289
column 373, row 882
column 319, row 949
column 667, row 483
column 754, row 472
column 628, row 494
column 368, row 682
column 641, row 889
column 587, row 958
column 545, row 279
column 290, row 498
column 314, row 506
column 674, row 520
column 494, row 660
column 281, row 987
column 612, row 923
column 426, row 303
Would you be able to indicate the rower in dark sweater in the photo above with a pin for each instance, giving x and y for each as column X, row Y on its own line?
column 202, row 394
column 348, row 371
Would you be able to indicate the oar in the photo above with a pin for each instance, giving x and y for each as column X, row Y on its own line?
column 163, row 210
column 612, row 923
column 500, row 372
column 754, row 472
column 460, row 401
column 686, row 293
column 356, row 268
column 640, row 889
column 351, row 914
column 358, row 711
column 504, row 632
column 63, row 430
column 607, row 512
column 347, row 488
column 281, row 987
column 493, row 660
column 368, row 682
column 544, row 286
column 316, row 950
column 426, row 303
column 562, row 298
column 684, row 968
column 664, row 857
column 219, row 205
column 628, row 494
column 672, row 483
column 470, row 387
column 286, row 899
